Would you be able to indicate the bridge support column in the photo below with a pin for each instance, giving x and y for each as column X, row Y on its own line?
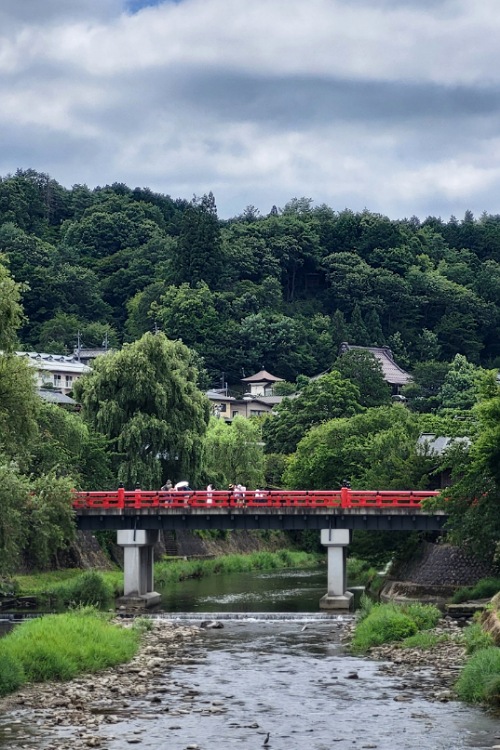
column 138, row 588
column 337, row 596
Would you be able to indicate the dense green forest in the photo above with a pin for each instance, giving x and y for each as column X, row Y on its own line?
column 280, row 291
column 188, row 301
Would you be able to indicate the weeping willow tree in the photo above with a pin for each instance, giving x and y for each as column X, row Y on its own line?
column 146, row 401
column 233, row 453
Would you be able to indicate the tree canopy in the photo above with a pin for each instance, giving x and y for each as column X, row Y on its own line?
column 144, row 399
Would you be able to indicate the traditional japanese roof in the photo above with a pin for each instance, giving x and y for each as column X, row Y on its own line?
column 262, row 377
column 392, row 372
column 55, row 397
column 218, row 396
column 437, row 444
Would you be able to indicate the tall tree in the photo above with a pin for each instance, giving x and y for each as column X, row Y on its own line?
column 198, row 256
column 233, row 453
column 145, row 400
column 319, row 401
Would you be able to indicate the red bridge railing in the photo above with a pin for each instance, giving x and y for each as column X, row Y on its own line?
column 344, row 498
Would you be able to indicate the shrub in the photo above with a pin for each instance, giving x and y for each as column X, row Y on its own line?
column 87, row 589
column 11, row 673
column 480, row 678
column 425, row 616
column 384, row 624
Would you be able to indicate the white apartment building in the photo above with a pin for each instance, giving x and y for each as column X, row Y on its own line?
column 55, row 370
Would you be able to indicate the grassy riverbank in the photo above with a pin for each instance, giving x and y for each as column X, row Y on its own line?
column 412, row 627
column 171, row 571
column 59, row 647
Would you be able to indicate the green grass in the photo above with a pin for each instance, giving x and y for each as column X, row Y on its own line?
column 424, row 640
column 483, row 589
column 172, row 571
column 480, row 678
column 359, row 572
column 475, row 638
column 388, row 623
column 59, row 647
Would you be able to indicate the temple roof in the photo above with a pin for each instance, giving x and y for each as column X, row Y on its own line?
column 262, row 377
column 393, row 373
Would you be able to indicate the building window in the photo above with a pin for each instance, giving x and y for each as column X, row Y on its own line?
column 235, row 414
column 69, row 381
column 256, row 412
column 222, row 408
column 57, row 380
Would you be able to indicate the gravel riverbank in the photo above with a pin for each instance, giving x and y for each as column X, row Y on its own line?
column 78, row 714
column 432, row 671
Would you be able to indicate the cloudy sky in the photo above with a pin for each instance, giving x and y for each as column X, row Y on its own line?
column 390, row 105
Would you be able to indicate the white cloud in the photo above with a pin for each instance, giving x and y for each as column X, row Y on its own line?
column 388, row 104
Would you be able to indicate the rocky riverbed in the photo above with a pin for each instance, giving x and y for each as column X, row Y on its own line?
column 432, row 671
column 70, row 716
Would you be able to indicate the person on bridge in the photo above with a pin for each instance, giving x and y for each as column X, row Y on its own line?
column 209, row 494
column 167, row 486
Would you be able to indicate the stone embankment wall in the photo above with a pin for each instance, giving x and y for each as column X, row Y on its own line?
column 433, row 575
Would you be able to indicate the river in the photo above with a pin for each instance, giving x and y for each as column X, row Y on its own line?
column 288, row 676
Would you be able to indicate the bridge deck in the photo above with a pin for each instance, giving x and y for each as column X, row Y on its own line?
column 287, row 510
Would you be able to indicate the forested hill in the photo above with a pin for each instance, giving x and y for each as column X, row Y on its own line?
column 280, row 291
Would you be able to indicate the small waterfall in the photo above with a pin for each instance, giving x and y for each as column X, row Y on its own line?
column 249, row 616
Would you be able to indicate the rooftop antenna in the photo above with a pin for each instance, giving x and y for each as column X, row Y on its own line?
column 78, row 345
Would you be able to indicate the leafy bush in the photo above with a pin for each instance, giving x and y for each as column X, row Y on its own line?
column 90, row 588
column 365, row 607
column 480, row 678
column 483, row 589
column 11, row 673
column 475, row 638
column 384, row 624
column 359, row 572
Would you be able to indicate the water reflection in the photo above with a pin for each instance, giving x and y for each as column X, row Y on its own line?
column 276, row 591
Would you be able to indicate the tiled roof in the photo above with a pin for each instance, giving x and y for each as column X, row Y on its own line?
column 393, row 373
column 55, row 397
column 437, row 444
column 262, row 377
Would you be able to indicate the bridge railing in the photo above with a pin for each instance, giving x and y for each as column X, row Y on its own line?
column 343, row 498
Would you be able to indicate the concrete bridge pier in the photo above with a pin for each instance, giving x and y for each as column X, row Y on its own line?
column 138, row 589
column 337, row 596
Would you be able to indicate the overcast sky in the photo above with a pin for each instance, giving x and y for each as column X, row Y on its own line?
column 390, row 105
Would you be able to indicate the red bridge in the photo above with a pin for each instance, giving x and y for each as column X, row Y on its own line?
column 138, row 517
column 256, row 509
column 343, row 498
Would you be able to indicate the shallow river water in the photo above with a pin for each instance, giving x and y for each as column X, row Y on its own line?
column 288, row 676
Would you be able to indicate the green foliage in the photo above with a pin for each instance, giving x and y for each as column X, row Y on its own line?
column 58, row 647
column 384, row 624
column 48, row 519
column 233, row 453
column 424, row 641
column 486, row 588
column 14, row 496
column 476, row 638
column 326, row 398
column 371, row 450
column 88, row 589
column 178, row 570
column 145, row 401
column 364, row 370
column 359, row 572
column 425, row 616
column 479, row 681
column 11, row 673
column 11, row 312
